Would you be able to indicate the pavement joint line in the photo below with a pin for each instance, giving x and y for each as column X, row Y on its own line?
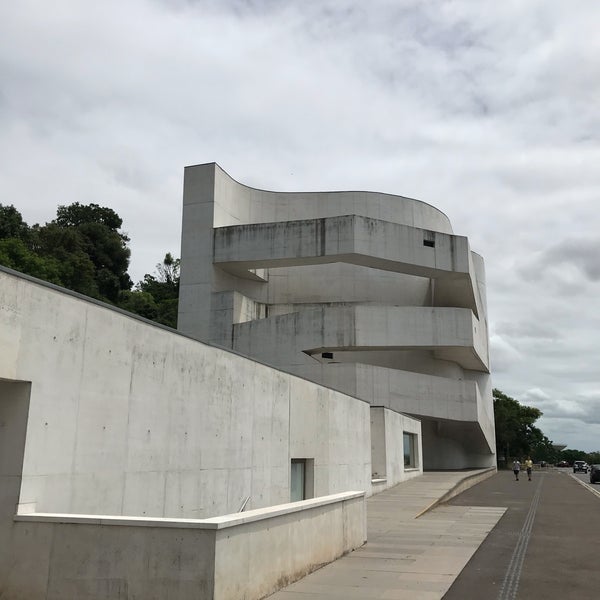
column 587, row 486
column 510, row 584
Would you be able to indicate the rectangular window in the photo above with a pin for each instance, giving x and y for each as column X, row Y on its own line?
column 297, row 480
column 410, row 450
column 301, row 479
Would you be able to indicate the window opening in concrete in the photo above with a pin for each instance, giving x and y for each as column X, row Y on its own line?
column 410, row 450
column 14, row 410
column 429, row 239
column 301, row 479
column 378, row 453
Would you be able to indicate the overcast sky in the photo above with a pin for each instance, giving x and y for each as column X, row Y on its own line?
column 487, row 110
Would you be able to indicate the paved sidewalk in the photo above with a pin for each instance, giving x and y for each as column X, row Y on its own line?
column 409, row 554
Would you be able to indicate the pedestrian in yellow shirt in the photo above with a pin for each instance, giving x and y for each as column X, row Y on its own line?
column 529, row 466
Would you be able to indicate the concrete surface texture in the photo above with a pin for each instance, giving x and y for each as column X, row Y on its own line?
column 128, row 418
column 103, row 413
column 245, row 555
column 410, row 554
column 369, row 293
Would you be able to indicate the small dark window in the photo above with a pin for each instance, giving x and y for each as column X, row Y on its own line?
column 429, row 239
column 328, row 355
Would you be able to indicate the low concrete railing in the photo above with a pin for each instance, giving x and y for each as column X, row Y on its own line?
column 239, row 556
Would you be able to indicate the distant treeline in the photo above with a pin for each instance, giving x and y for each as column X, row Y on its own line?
column 518, row 437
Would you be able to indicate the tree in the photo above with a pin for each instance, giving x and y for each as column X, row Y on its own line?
column 572, row 455
column 103, row 243
column 516, row 434
column 67, row 248
column 140, row 303
column 76, row 214
column 82, row 249
column 156, row 297
column 12, row 224
column 15, row 254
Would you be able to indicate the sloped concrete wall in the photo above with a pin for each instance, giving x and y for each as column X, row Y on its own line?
column 128, row 418
column 258, row 557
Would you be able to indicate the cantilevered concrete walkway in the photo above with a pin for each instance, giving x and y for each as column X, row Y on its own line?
column 416, row 545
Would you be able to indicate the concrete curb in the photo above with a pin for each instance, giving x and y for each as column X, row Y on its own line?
column 461, row 486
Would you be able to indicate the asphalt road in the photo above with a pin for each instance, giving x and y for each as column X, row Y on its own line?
column 546, row 546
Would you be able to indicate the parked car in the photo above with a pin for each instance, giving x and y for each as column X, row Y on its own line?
column 594, row 473
column 580, row 466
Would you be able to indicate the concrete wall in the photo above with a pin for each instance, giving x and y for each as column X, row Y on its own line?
column 387, row 447
column 128, row 418
column 245, row 555
column 326, row 428
column 258, row 557
column 119, row 437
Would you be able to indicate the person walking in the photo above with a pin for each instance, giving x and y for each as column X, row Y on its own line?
column 529, row 467
column 516, row 469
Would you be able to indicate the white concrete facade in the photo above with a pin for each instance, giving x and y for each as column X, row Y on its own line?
column 128, row 418
column 108, row 419
column 367, row 293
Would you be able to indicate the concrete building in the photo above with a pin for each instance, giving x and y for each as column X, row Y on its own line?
column 330, row 346
column 367, row 293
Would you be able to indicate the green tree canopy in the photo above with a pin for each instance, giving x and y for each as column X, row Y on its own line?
column 12, row 224
column 156, row 297
column 82, row 249
column 516, row 434
column 100, row 238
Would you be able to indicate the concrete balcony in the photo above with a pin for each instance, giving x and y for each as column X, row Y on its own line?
column 451, row 334
column 242, row 249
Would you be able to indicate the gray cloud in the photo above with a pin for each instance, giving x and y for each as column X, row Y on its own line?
column 568, row 269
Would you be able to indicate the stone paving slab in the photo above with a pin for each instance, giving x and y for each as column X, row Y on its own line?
column 407, row 556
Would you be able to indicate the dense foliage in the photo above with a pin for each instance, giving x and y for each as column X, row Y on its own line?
column 84, row 250
column 518, row 437
column 156, row 297
column 516, row 434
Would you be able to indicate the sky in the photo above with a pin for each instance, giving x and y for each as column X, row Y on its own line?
column 487, row 110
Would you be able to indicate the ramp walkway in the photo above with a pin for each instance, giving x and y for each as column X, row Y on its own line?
column 416, row 545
